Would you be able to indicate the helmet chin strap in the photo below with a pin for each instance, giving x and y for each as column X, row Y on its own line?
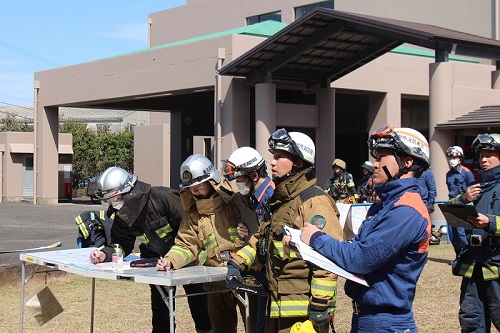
column 402, row 170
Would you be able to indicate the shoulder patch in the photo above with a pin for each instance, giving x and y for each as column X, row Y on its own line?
column 318, row 221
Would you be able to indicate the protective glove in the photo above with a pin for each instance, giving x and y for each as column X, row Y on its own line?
column 233, row 272
column 320, row 318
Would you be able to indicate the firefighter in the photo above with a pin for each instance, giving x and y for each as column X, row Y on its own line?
column 94, row 228
column 458, row 178
column 212, row 212
column 341, row 185
column 390, row 249
column 150, row 214
column 247, row 167
column 365, row 183
column 479, row 261
column 297, row 291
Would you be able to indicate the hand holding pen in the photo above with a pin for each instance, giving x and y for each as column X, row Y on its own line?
column 163, row 264
column 96, row 256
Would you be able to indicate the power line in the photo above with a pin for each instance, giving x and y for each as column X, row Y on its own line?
column 18, row 106
column 21, row 99
column 28, row 54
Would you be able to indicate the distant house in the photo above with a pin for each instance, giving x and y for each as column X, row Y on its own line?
column 17, row 148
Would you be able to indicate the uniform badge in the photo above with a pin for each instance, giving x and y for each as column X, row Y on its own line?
column 318, row 221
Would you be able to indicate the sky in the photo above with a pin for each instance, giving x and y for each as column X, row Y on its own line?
column 37, row 35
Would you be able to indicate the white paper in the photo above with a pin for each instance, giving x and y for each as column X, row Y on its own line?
column 309, row 254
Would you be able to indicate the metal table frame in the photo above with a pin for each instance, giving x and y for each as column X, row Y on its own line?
column 76, row 261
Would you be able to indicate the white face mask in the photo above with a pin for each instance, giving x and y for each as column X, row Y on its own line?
column 454, row 162
column 117, row 204
column 242, row 188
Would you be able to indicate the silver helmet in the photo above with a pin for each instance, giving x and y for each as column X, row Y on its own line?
column 114, row 181
column 197, row 169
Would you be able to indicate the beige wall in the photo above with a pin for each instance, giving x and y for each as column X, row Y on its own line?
column 204, row 17
column 16, row 145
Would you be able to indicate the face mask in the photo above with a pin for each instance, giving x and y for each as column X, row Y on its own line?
column 454, row 162
column 242, row 188
column 117, row 204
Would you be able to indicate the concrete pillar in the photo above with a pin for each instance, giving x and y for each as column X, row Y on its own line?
column 495, row 80
column 46, row 155
column 265, row 116
column 441, row 79
column 325, row 133
column 384, row 108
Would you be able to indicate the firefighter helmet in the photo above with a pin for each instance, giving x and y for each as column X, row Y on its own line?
column 402, row 140
column 296, row 143
column 455, row 151
column 368, row 166
column 242, row 162
column 197, row 169
column 486, row 142
column 113, row 181
column 340, row 163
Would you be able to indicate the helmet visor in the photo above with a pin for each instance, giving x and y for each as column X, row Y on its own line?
column 188, row 180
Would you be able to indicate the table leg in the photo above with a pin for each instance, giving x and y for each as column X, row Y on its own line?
column 92, row 306
column 170, row 304
column 23, row 277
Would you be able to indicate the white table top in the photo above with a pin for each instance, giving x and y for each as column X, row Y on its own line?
column 76, row 261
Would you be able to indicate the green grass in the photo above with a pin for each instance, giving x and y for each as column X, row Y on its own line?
column 124, row 307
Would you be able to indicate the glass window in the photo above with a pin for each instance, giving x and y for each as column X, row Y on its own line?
column 300, row 11
column 275, row 16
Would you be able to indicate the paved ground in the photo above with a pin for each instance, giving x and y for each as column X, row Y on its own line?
column 25, row 225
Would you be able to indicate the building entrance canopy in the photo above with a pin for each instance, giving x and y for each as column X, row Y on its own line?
column 326, row 44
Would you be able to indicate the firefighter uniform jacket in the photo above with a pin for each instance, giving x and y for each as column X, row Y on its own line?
column 390, row 249
column 341, row 186
column 94, row 228
column 208, row 231
column 485, row 248
column 291, row 280
column 152, row 214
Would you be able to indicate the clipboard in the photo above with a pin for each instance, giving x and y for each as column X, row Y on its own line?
column 249, row 218
column 456, row 215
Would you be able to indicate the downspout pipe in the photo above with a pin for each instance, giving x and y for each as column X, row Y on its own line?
column 221, row 55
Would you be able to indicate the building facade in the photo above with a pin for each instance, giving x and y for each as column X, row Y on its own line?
column 192, row 108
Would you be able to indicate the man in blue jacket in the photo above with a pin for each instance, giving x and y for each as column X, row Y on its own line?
column 479, row 260
column 390, row 249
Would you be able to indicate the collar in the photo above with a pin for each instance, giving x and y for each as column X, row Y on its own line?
column 259, row 193
column 396, row 188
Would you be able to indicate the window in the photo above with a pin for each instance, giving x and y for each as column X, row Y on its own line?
column 300, row 11
column 275, row 16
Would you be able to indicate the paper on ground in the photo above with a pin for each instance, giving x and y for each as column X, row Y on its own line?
column 309, row 254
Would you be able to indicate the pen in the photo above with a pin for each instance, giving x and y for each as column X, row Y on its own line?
column 95, row 256
column 163, row 263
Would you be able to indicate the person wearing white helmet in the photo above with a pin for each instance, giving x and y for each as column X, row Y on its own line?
column 247, row 167
column 390, row 250
column 208, row 233
column 297, row 290
column 479, row 261
column 365, row 184
column 152, row 215
column 458, row 178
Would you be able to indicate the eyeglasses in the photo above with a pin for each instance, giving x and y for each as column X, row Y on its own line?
column 383, row 131
column 229, row 170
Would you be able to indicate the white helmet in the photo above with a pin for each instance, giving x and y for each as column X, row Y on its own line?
column 197, row 169
column 113, row 181
column 455, row 151
column 486, row 142
column 368, row 166
column 242, row 162
column 402, row 140
column 296, row 143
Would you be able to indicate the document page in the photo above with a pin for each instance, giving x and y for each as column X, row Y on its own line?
column 309, row 254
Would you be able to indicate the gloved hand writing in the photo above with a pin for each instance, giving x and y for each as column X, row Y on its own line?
column 233, row 272
column 320, row 318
